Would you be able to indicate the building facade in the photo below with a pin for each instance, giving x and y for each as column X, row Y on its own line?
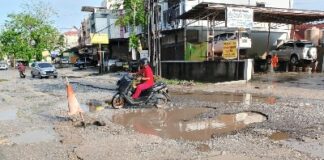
column 103, row 20
column 194, row 46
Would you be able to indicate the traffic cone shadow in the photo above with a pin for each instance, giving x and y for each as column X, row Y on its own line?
column 73, row 104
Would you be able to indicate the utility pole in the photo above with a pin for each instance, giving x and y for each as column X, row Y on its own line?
column 154, row 38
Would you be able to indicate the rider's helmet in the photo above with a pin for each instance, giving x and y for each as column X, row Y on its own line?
column 144, row 61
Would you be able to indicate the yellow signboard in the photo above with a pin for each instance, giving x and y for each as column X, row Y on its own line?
column 99, row 38
column 230, row 50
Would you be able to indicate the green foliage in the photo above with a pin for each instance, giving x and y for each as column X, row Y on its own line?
column 27, row 34
column 134, row 15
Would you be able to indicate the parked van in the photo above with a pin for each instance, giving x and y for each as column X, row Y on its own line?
column 218, row 40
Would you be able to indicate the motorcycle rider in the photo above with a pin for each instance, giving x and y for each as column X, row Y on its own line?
column 21, row 69
column 146, row 77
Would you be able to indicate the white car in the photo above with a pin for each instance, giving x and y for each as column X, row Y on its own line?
column 296, row 51
column 43, row 69
column 218, row 40
column 3, row 66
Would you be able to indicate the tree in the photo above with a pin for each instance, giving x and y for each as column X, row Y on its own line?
column 134, row 14
column 27, row 34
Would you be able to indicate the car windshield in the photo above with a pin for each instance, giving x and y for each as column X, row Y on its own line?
column 44, row 65
column 244, row 34
column 304, row 44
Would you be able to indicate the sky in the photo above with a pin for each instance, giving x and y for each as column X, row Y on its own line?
column 69, row 11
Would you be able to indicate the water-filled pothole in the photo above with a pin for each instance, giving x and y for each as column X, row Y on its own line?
column 3, row 80
column 245, row 98
column 8, row 114
column 35, row 136
column 278, row 136
column 186, row 123
column 92, row 106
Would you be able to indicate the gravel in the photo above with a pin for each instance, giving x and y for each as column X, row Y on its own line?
column 42, row 103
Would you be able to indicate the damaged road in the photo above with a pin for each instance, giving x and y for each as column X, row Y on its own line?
column 268, row 118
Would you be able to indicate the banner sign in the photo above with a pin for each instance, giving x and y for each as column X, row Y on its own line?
column 99, row 38
column 239, row 17
column 230, row 49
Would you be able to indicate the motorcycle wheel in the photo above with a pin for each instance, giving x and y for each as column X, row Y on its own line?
column 118, row 101
column 161, row 102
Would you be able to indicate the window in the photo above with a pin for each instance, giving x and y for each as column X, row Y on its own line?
column 301, row 45
column 223, row 37
column 289, row 45
column 44, row 65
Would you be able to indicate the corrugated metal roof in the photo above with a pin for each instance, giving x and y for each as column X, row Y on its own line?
column 216, row 11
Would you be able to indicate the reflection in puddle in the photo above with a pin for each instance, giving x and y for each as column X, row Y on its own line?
column 279, row 136
column 221, row 97
column 183, row 123
column 34, row 136
column 8, row 114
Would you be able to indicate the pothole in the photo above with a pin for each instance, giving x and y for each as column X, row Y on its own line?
column 186, row 123
column 92, row 106
column 86, row 124
column 217, row 97
column 277, row 136
column 34, row 136
column 8, row 114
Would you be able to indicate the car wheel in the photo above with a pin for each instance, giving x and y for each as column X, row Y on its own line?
column 33, row 76
column 40, row 76
column 294, row 60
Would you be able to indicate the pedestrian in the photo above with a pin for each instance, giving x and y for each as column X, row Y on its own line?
column 315, row 65
column 274, row 61
column 21, row 69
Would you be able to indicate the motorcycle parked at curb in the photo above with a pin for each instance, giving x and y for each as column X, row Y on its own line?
column 156, row 95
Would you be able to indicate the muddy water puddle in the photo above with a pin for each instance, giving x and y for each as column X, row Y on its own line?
column 185, row 123
column 300, row 80
column 278, row 136
column 92, row 106
column 221, row 97
column 34, row 136
column 3, row 80
column 8, row 114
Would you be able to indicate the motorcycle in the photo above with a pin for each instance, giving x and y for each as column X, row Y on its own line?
column 156, row 95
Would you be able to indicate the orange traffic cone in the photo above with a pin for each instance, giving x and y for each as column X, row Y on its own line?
column 73, row 104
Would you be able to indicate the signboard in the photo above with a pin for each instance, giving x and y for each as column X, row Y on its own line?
column 144, row 54
column 99, row 38
column 230, row 49
column 239, row 17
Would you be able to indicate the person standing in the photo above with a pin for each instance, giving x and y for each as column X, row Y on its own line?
column 21, row 69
